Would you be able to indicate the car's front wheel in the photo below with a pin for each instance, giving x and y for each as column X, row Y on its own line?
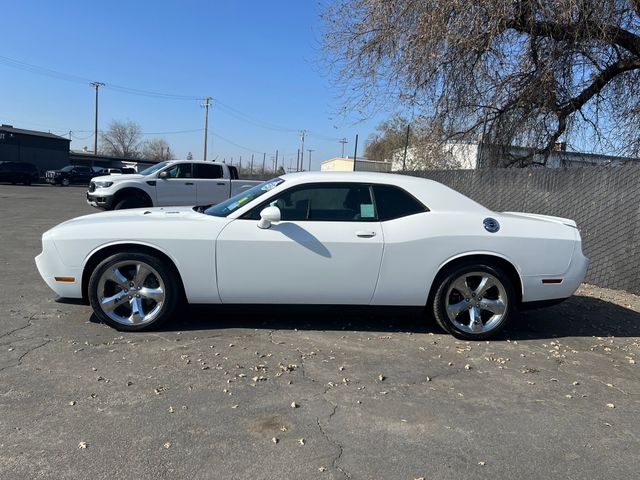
column 133, row 291
column 474, row 301
column 65, row 182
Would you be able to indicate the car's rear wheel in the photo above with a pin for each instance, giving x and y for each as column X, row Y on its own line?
column 474, row 301
column 133, row 291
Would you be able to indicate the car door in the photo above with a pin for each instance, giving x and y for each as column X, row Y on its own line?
column 80, row 175
column 326, row 249
column 178, row 188
column 211, row 188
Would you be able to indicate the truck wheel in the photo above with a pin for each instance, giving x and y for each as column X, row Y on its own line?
column 130, row 202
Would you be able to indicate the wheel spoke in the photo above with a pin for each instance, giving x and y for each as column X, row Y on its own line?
column 455, row 309
column 461, row 286
column 485, row 284
column 155, row 294
column 137, row 314
column 142, row 272
column 116, row 276
column 109, row 304
column 475, row 321
column 496, row 307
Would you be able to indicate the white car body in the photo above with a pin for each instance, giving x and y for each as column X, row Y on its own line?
column 231, row 260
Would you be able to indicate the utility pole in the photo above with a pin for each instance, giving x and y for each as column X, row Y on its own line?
column 96, row 85
column 240, row 167
column 69, row 134
column 355, row 154
column 302, row 149
column 206, row 105
column 406, row 145
column 264, row 159
column 298, row 161
column 343, row 141
column 251, row 169
column 275, row 163
column 309, row 150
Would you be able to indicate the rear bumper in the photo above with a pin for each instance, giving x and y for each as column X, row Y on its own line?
column 100, row 201
column 534, row 290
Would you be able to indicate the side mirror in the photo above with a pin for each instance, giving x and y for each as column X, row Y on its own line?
column 268, row 216
column 164, row 175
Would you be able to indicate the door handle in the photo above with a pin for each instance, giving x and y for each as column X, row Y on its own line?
column 220, row 183
column 188, row 183
column 365, row 234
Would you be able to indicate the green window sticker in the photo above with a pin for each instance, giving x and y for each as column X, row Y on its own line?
column 366, row 211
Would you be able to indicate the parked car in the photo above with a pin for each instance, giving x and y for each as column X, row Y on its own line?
column 18, row 172
column 179, row 182
column 71, row 174
column 319, row 238
column 108, row 171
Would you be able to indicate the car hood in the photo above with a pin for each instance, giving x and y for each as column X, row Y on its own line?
column 165, row 228
column 136, row 215
column 118, row 177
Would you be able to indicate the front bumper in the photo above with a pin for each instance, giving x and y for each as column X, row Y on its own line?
column 100, row 201
column 50, row 266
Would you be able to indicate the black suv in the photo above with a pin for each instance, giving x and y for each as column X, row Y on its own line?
column 18, row 172
column 70, row 174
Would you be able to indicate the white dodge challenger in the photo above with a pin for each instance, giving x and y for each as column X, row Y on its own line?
column 319, row 238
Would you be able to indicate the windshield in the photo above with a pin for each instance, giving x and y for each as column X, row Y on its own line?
column 67, row 168
column 228, row 206
column 154, row 168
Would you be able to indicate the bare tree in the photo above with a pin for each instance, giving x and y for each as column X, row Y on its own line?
column 121, row 139
column 157, row 149
column 388, row 137
column 512, row 72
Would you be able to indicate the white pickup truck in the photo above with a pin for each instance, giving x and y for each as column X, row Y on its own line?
column 171, row 183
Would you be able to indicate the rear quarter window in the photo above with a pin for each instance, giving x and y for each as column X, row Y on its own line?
column 394, row 202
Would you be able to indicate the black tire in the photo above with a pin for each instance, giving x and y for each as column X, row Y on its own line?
column 167, row 283
column 65, row 182
column 130, row 202
column 489, row 322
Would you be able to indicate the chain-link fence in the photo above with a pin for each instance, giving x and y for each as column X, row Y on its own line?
column 604, row 201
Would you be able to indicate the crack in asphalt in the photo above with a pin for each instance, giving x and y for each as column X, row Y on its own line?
column 21, row 357
column 304, row 374
column 29, row 324
column 339, row 447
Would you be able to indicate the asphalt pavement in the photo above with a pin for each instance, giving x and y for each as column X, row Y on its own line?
column 245, row 393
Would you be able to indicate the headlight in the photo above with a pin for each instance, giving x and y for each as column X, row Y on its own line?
column 103, row 184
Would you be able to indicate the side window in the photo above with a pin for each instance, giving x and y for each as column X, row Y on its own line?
column 181, row 170
column 393, row 202
column 339, row 202
column 202, row 170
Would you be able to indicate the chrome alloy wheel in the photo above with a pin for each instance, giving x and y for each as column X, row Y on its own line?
column 131, row 292
column 476, row 302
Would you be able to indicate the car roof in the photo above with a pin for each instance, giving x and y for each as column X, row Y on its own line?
column 434, row 195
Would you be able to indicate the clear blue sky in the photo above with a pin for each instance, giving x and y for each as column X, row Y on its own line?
column 260, row 59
